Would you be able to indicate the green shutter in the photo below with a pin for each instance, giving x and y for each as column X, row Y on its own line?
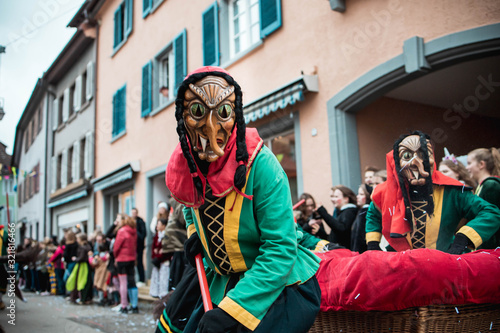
column 210, row 26
column 115, row 114
column 180, row 59
column 146, row 7
column 129, row 14
column 270, row 16
column 117, row 31
column 123, row 109
column 146, row 90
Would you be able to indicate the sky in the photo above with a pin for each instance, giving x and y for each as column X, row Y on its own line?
column 34, row 32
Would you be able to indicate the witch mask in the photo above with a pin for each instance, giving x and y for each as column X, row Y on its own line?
column 209, row 116
column 412, row 160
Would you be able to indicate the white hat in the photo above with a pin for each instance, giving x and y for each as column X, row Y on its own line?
column 162, row 204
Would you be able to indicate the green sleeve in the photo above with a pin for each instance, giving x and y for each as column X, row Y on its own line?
column 188, row 216
column 373, row 220
column 483, row 217
column 264, row 281
column 491, row 192
column 309, row 241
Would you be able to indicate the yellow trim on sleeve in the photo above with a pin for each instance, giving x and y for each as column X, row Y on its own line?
column 373, row 236
column 203, row 238
column 231, row 229
column 191, row 230
column 164, row 324
column 434, row 222
column 239, row 313
column 320, row 245
column 472, row 235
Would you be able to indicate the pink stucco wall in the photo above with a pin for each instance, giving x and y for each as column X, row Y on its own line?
column 338, row 47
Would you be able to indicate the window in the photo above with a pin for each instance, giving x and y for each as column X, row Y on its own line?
column 82, row 159
column 72, row 100
column 235, row 27
column 162, row 77
column 75, row 162
column 83, row 91
column 37, row 178
column 71, row 157
column 122, row 23
column 40, row 120
column 64, row 168
column 119, row 111
column 148, row 6
column 59, row 171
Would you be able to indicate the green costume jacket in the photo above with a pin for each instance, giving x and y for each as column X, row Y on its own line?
column 453, row 210
column 489, row 190
column 260, row 239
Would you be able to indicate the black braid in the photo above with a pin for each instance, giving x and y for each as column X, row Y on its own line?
column 241, row 148
column 402, row 181
column 427, row 167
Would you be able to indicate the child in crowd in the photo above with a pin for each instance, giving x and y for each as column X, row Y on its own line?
column 99, row 263
column 69, row 253
column 160, row 272
column 57, row 260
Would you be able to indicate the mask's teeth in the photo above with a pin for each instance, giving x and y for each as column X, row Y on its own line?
column 203, row 143
column 415, row 173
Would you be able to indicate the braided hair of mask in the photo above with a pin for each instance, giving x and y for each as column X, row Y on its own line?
column 241, row 147
column 402, row 182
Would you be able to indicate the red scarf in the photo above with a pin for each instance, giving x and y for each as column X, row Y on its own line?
column 220, row 175
column 389, row 199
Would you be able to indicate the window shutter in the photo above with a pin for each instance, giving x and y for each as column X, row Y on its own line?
column 270, row 16
column 88, row 157
column 66, row 104
column 115, row 113
column 55, row 114
column 129, row 14
column 210, row 29
column 90, row 81
column 75, row 165
column 20, row 194
column 180, row 59
column 146, row 90
column 53, row 181
column 123, row 109
column 118, row 31
column 146, row 7
column 37, row 179
column 77, row 98
column 64, row 168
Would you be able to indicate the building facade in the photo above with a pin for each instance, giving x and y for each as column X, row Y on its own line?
column 29, row 158
column 70, row 140
column 8, row 197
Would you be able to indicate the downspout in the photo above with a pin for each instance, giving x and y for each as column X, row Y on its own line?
column 47, row 210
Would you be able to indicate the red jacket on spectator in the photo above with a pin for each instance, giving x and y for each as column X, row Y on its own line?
column 125, row 245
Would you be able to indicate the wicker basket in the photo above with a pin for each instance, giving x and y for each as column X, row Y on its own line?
column 432, row 318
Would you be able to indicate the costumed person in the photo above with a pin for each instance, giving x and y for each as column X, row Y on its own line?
column 484, row 167
column 79, row 282
column 239, row 214
column 419, row 207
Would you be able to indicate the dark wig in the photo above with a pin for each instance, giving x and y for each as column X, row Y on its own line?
column 241, row 147
column 402, row 181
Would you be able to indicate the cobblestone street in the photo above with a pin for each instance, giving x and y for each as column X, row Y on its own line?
column 54, row 314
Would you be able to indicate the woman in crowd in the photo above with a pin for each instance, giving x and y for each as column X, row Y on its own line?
column 160, row 271
column 124, row 251
column 309, row 219
column 484, row 167
column 451, row 167
column 80, row 282
column 358, row 232
column 69, row 253
column 161, row 214
column 344, row 201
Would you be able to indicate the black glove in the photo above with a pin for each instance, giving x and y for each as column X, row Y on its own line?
column 217, row 321
column 192, row 247
column 459, row 244
column 373, row 245
column 332, row 246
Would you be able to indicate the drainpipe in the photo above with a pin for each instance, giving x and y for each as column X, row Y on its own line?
column 48, row 217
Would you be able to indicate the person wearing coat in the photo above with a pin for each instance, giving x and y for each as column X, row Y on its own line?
column 125, row 254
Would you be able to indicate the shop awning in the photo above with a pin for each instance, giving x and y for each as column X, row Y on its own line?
column 117, row 176
column 280, row 98
column 77, row 195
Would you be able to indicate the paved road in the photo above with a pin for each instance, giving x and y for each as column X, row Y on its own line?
column 46, row 314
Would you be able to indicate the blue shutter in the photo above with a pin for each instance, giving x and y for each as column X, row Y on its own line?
column 210, row 27
column 146, row 90
column 129, row 13
column 115, row 114
column 117, row 31
column 180, row 59
column 146, row 7
column 270, row 16
column 123, row 109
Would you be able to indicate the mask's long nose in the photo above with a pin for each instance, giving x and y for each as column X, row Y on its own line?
column 211, row 130
column 417, row 162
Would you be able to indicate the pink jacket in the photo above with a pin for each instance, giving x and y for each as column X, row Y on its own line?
column 56, row 257
column 125, row 247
